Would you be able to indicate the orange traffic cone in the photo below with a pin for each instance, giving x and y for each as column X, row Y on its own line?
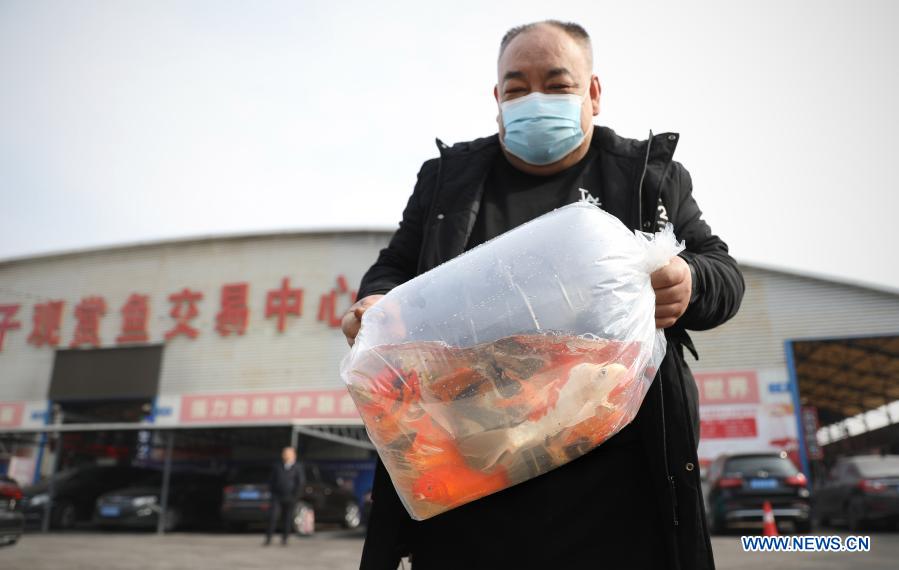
column 769, row 527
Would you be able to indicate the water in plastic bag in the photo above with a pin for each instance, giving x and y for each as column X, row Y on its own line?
column 511, row 359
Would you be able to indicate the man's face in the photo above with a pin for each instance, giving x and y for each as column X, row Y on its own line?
column 288, row 455
column 548, row 60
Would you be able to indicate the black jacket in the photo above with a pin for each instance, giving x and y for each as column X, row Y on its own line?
column 286, row 485
column 637, row 176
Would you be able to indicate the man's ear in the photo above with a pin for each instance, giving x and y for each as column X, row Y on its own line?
column 499, row 121
column 595, row 92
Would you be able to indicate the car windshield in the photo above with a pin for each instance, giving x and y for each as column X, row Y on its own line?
column 887, row 466
column 750, row 465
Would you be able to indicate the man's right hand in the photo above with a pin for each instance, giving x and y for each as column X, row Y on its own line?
column 352, row 319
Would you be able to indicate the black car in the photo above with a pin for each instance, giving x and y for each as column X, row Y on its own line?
column 75, row 492
column 12, row 522
column 194, row 500
column 859, row 491
column 246, row 500
column 739, row 485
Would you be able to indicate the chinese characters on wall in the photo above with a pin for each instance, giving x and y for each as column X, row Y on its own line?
column 282, row 305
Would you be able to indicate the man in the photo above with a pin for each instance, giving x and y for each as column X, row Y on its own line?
column 286, row 485
column 635, row 501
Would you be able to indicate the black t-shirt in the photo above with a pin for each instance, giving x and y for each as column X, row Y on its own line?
column 512, row 197
column 598, row 511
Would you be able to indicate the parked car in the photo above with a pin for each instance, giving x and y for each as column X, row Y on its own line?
column 859, row 491
column 740, row 484
column 12, row 521
column 194, row 500
column 246, row 500
column 75, row 492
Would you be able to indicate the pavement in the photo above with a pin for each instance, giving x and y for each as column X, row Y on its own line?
column 336, row 550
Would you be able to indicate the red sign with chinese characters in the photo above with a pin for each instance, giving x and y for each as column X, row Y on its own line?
column 233, row 315
column 184, row 309
column 7, row 322
column 233, row 312
column 728, row 387
column 267, row 406
column 135, row 313
column 46, row 320
column 728, row 428
column 283, row 302
column 88, row 314
column 328, row 311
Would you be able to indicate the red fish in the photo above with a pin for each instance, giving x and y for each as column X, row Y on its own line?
column 391, row 397
column 451, row 485
column 462, row 382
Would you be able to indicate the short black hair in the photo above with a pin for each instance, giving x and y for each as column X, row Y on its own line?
column 576, row 31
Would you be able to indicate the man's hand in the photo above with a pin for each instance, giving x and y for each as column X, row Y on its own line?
column 352, row 319
column 673, row 285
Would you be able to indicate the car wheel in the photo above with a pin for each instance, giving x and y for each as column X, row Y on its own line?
column 303, row 519
column 855, row 514
column 65, row 516
column 352, row 516
column 803, row 526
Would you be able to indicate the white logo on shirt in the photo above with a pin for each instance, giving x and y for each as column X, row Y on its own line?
column 587, row 197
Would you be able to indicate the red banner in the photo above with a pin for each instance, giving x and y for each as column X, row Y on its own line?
column 728, row 387
column 728, row 428
column 267, row 406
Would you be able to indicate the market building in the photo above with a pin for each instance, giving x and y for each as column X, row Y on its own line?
column 233, row 345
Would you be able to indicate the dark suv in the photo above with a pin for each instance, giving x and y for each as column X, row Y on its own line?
column 194, row 500
column 860, row 490
column 75, row 492
column 740, row 484
column 246, row 499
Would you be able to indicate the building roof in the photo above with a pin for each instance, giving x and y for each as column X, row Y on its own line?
column 374, row 230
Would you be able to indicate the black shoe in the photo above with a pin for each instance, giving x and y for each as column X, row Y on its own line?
column 267, row 542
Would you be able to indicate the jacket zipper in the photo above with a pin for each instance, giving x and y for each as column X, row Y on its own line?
column 430, row 219
column 671, row 488
column 640, row 187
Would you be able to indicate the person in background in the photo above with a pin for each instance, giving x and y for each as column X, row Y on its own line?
column 286, row 485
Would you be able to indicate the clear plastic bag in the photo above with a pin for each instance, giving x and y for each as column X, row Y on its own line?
column 511, row 359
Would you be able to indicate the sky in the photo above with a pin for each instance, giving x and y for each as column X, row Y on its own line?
column 124, row 122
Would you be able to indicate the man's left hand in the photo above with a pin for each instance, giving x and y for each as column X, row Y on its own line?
column 673, row 285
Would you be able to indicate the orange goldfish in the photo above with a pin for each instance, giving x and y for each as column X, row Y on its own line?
column 452, row 485
column 391, row 397
column 462, row 382
column 586, row 389
column 596, row 429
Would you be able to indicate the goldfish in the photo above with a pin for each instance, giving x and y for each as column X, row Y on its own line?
column 460, row 383
column 389, row 398
column 586, row 389
column 451, row 485
column 455, row 424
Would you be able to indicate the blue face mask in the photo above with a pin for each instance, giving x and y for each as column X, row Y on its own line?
column 541, row 128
